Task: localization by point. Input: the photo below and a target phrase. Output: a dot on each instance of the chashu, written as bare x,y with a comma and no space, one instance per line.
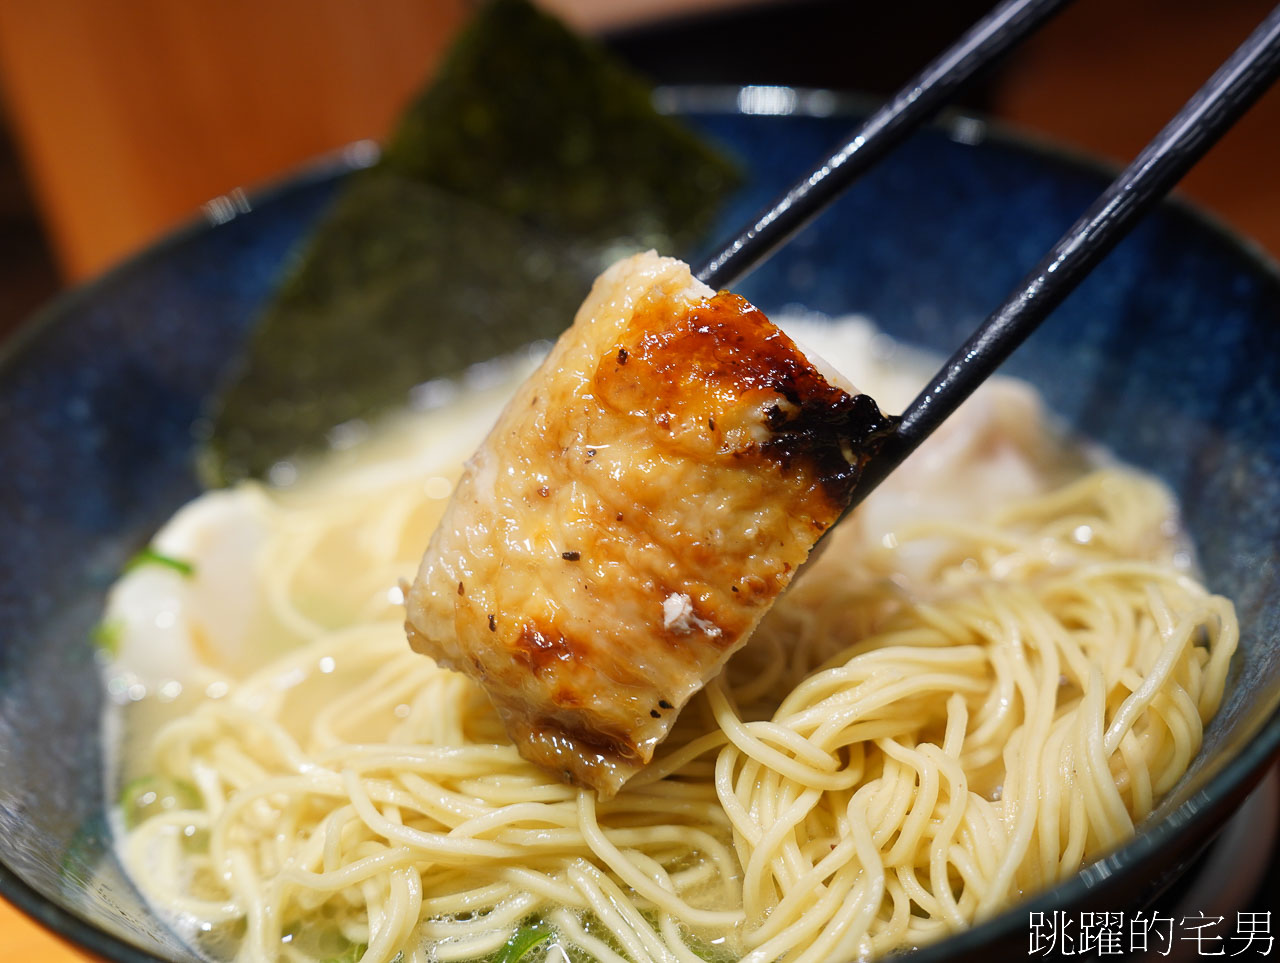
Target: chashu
640,503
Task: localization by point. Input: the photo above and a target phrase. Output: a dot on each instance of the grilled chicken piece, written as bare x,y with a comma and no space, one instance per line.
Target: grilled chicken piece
639,505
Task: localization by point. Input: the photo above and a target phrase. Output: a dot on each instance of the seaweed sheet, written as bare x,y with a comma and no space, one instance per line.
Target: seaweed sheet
530,161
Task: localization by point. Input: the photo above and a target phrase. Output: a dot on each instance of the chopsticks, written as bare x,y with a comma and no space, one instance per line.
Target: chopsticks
995,34
1217,105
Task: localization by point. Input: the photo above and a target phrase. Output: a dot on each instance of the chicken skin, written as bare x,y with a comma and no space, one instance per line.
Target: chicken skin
641,502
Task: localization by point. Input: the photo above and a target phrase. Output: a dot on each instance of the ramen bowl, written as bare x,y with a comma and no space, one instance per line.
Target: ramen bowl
1169,355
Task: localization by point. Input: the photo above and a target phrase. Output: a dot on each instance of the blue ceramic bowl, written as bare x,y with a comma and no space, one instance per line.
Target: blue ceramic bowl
1169,354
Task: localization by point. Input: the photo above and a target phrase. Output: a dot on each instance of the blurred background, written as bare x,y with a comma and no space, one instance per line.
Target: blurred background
119,120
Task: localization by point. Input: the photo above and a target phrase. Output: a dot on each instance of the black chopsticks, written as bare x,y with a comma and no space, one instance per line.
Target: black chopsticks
995,34
1231,90
1217,105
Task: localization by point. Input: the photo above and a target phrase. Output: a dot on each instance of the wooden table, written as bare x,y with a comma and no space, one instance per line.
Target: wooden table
22,941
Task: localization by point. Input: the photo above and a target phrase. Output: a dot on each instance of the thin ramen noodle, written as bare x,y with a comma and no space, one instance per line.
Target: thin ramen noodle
987,677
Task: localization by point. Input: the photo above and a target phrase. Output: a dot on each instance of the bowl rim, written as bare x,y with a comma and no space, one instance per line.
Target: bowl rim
1223,792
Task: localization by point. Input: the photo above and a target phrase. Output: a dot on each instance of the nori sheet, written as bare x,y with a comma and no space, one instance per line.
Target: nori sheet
529,161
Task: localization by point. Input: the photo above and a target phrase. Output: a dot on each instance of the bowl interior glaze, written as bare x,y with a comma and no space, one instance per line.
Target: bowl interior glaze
1169,355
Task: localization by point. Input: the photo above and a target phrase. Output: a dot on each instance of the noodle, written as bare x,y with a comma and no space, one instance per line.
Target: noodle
929,725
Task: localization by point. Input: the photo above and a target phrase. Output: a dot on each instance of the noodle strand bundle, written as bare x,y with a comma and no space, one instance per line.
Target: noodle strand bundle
930,724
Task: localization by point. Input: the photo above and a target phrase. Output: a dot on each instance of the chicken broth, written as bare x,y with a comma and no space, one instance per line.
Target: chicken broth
868,774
